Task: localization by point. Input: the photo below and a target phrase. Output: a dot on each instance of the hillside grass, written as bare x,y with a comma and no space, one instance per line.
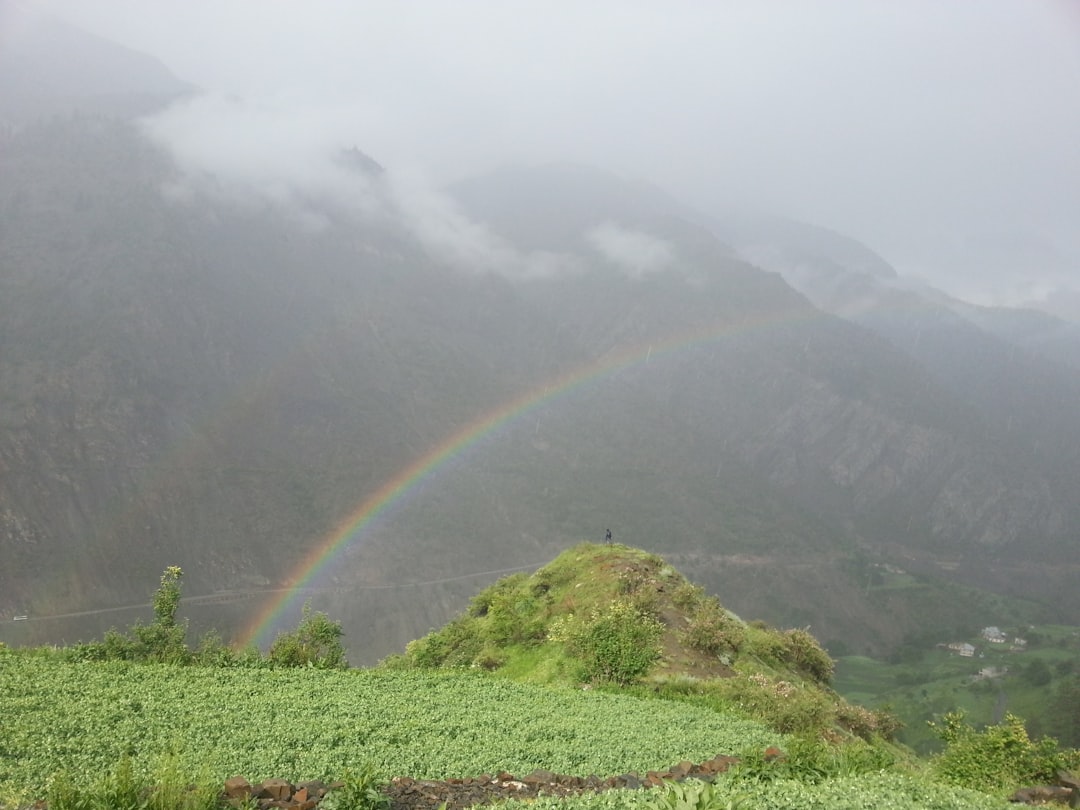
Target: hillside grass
617,618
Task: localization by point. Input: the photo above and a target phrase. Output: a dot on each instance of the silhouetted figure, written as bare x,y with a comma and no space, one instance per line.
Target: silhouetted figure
608,536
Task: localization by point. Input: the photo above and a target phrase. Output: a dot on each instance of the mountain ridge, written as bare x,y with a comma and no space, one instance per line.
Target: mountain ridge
219,383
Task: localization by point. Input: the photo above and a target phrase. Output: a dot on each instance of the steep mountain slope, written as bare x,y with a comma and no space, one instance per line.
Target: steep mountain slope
219,385
1016,368
52,68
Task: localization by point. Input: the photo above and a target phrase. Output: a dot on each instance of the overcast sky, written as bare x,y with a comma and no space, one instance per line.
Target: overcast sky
944,134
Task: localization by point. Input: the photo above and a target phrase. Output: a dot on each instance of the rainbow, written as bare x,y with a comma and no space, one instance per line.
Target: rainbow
323,553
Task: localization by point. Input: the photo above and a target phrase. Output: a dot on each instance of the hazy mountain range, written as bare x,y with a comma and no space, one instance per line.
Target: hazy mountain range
222,380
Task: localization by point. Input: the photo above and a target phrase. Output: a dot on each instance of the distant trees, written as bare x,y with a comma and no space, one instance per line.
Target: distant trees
1065,711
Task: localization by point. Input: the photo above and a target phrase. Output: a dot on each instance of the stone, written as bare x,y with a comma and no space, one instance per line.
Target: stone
1041,794
275,789
316,788
1069,780
237,787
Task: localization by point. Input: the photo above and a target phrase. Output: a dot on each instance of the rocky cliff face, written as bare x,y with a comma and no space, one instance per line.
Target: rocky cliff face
220,386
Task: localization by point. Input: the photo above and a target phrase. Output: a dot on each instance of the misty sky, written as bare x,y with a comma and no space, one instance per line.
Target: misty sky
946,135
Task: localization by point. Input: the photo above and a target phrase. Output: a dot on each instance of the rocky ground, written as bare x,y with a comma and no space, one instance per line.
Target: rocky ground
406,793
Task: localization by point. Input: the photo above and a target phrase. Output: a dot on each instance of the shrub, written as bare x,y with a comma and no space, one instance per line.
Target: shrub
646,601
316,642
804,652
161,643
616,645
687,596
712,630
490,659
866,723
513,617
999,757
782,705
360,791
456,645
167,596
118,789
164,641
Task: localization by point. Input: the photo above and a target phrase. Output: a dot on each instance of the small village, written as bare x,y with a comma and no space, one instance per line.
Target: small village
1000,640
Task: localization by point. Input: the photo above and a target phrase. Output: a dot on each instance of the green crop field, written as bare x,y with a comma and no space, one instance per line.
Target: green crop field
80,719
303,724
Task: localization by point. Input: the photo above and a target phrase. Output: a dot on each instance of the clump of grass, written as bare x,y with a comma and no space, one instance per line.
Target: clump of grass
121,789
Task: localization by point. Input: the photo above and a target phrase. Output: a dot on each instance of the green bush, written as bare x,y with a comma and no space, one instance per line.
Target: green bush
359,792
616,645
867,723
712,630
804,652
811,762
316,642
513,617
687,596
163,641
456,645
783,706
490,658
999,757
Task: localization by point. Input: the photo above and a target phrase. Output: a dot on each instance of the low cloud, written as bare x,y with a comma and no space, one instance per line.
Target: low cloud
636,252
290,156
246,150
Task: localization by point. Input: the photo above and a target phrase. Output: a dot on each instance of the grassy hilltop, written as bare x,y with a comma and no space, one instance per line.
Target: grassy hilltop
603,662
617,616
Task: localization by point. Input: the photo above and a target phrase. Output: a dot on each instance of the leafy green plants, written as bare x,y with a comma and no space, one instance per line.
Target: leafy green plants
299,724
316,642
712,630
694,794
616,645
785,706
120,789
804,652
360,791
999,757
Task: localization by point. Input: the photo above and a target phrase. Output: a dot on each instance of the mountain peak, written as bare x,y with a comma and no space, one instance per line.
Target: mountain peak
52,67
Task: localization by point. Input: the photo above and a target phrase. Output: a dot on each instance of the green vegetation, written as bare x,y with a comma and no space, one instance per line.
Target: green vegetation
306,723
999,757
168,788
884,790
316,641
359,792
616,644
1039,681
618,617
677,677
